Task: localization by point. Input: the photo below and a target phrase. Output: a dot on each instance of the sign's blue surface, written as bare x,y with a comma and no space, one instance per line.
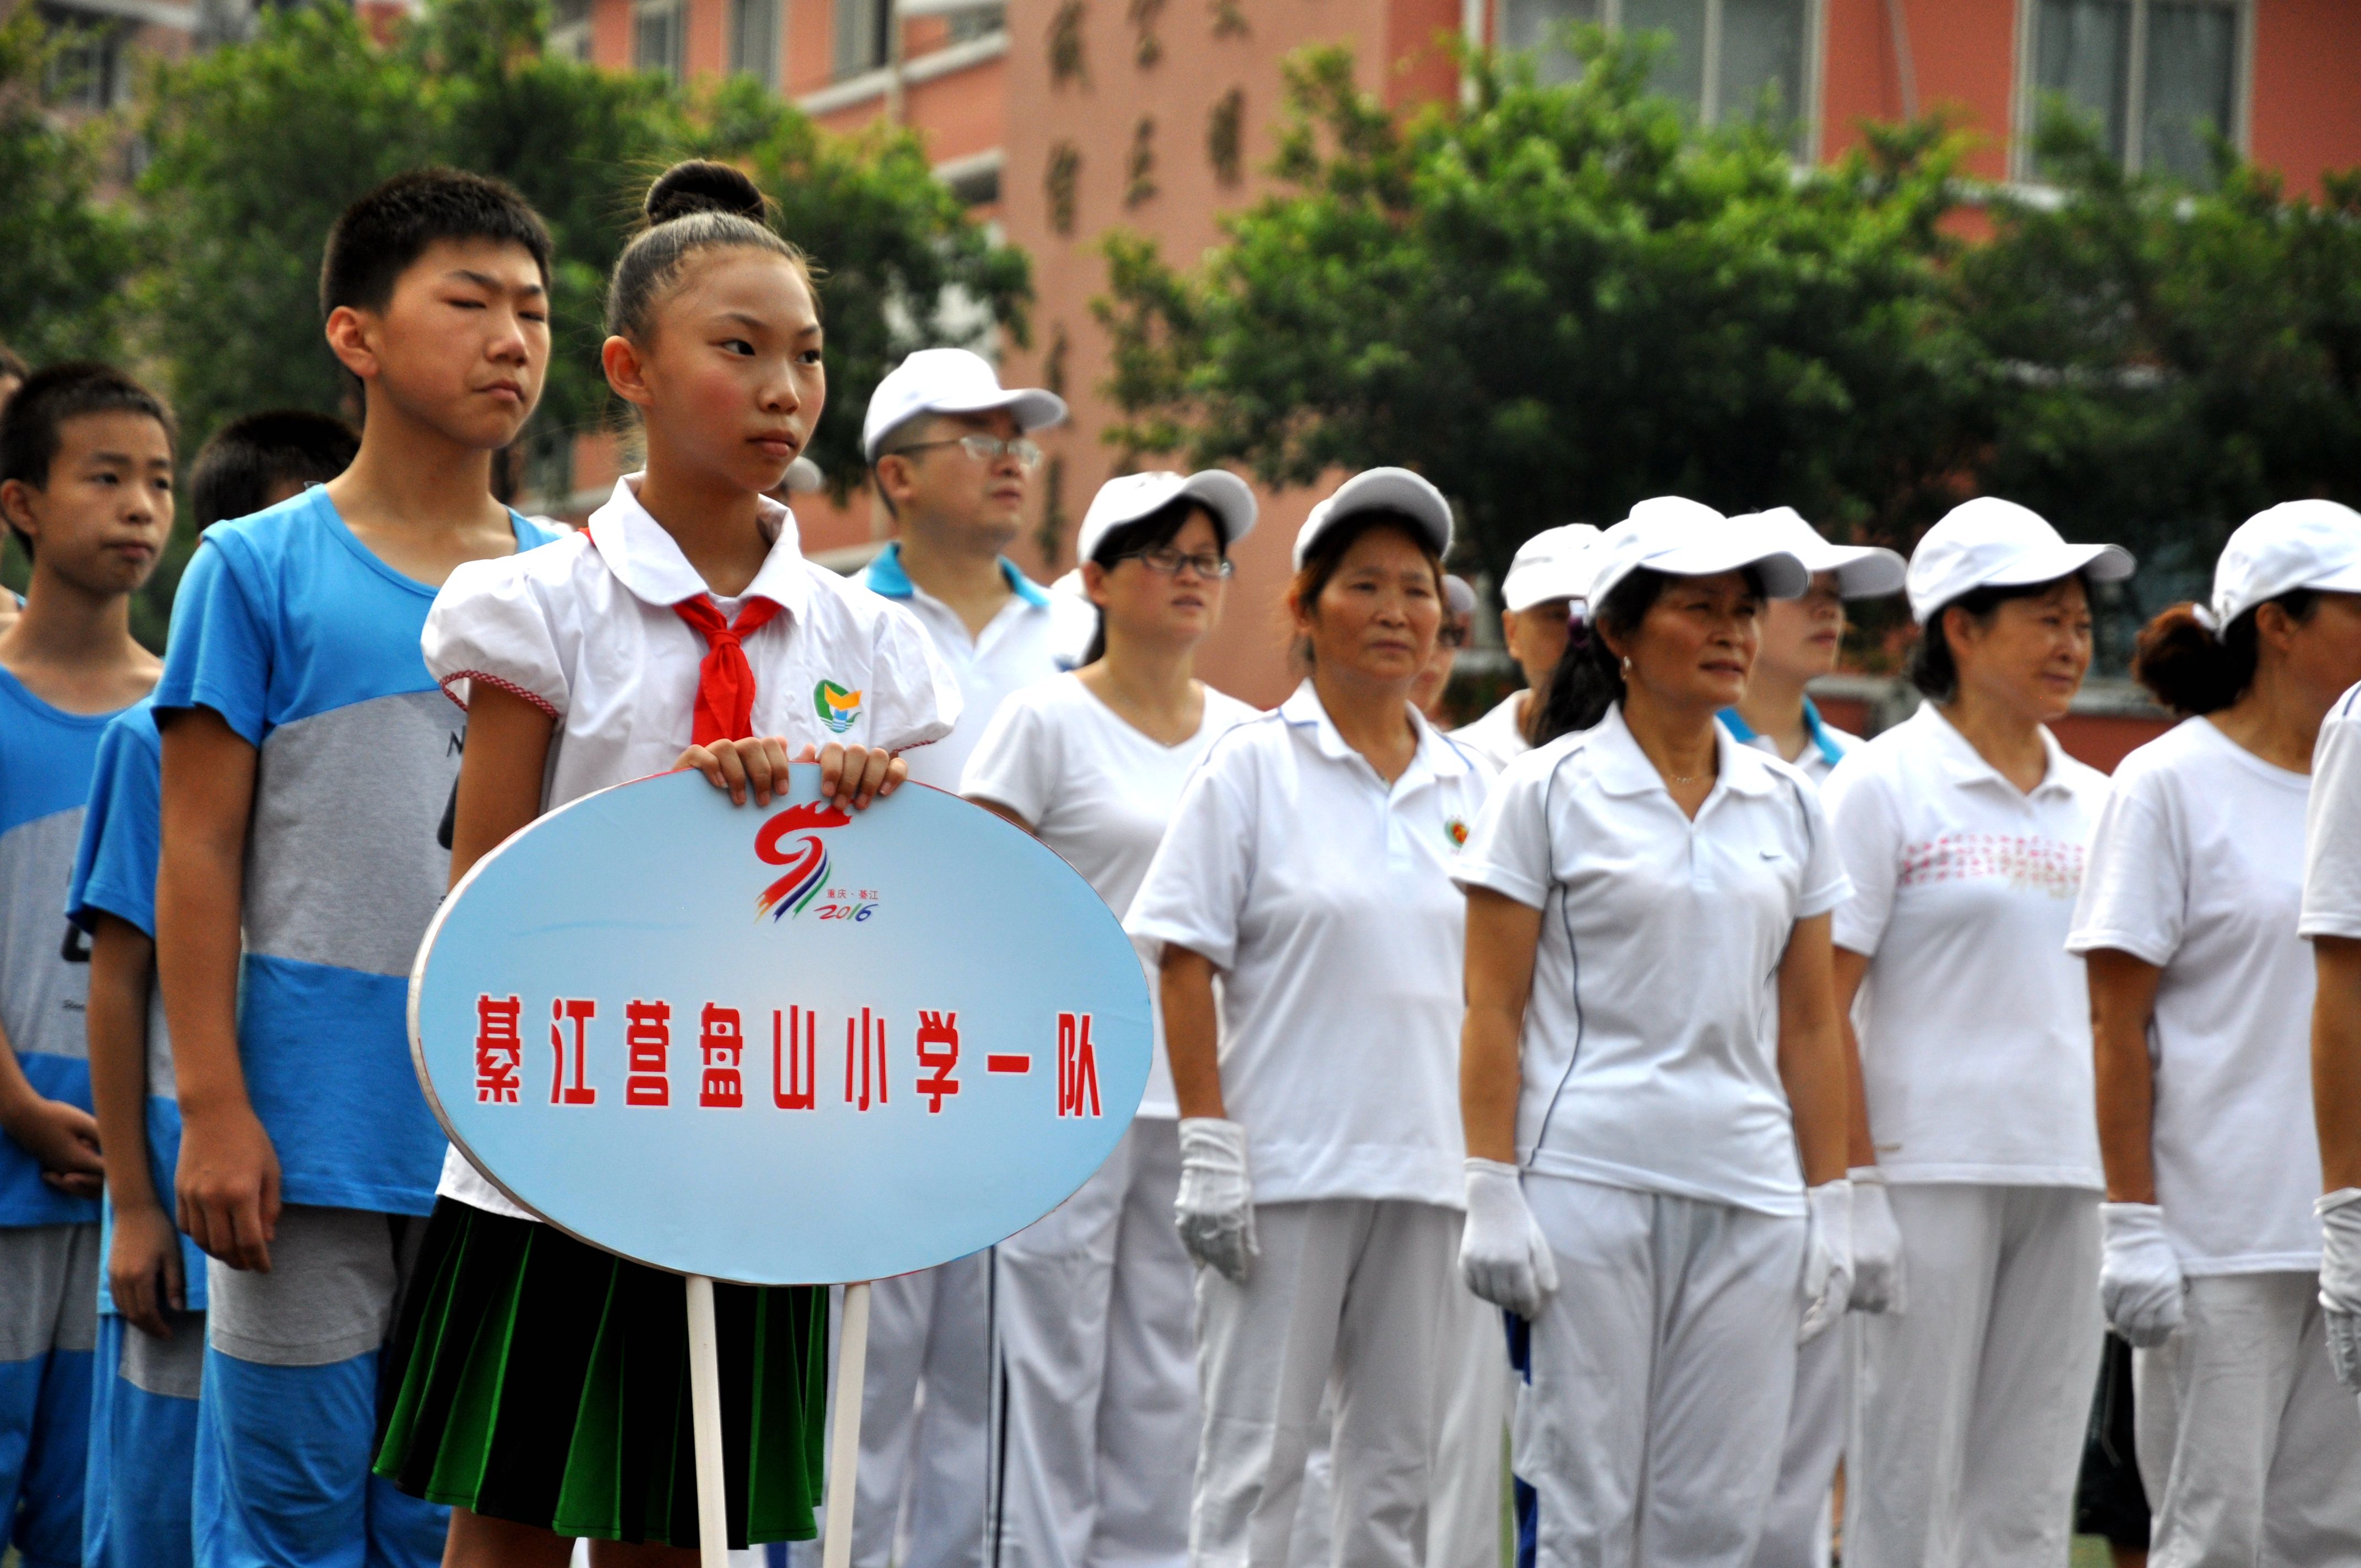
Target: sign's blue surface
786,1045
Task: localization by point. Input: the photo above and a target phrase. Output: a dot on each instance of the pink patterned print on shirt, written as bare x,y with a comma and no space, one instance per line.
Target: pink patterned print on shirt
2044,865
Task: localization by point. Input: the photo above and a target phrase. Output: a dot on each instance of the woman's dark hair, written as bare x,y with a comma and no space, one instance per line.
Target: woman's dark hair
693,206
1932,668
2192,670
1154,532
1588,679
1327,553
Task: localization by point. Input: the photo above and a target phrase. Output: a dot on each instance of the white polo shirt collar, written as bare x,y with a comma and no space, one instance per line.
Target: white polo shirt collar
1437,756
646,559
1963,764
1621,768
887,576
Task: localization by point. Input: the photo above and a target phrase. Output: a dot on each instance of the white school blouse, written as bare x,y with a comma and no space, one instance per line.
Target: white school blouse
1099,793
1975,1033
583,630
2197,867
1650,1054
1324,896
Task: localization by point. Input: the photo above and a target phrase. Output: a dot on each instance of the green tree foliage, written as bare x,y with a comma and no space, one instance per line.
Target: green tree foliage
1561,300
257,147
2172,361
64,261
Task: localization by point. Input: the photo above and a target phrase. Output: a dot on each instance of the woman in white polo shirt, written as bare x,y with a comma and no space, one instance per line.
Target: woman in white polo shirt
1652,1084
1801,639
1964,830
1307,866
2200,994
1091,1304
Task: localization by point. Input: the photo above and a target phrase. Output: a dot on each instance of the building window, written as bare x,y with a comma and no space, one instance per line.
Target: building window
754,39
569,30
87,70
659,36
861,36
1726,60
978,22
2159,76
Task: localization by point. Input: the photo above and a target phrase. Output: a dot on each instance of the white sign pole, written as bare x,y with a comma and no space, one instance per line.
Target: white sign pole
844,1435
705,1416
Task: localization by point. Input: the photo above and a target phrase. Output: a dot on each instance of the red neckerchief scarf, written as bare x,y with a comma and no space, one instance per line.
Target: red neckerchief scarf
725,681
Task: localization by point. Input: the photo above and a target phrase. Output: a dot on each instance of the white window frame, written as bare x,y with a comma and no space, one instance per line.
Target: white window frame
678,11
772,72
571,39
1815,41
2027,118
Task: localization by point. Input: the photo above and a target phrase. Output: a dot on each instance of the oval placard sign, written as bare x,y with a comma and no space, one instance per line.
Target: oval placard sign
789,1045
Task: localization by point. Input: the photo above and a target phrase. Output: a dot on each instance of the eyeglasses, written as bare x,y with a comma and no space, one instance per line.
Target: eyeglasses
1166,562
983,448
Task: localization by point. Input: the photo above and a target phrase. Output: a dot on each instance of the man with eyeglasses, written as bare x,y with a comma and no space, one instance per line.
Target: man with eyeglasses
948,453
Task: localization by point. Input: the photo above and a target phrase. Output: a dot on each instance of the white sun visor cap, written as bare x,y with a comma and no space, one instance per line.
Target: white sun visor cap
1687,538
1458,597
1380,489
1989,543
1863,571
1553,565
1130,496
950,381
2295,544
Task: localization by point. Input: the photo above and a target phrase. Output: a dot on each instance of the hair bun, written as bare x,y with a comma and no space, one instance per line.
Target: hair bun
701,185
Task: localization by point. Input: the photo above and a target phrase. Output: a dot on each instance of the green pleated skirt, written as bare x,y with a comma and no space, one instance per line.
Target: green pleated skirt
537,1379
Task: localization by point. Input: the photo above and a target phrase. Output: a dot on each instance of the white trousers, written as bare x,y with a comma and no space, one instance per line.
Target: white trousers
1474,1390
1968,1408
2247,1446
1098,1424
925,1408
1797,1531
1352,1290
1659,1377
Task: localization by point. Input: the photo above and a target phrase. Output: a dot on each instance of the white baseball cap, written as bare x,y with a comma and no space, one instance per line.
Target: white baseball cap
1682,538
950,381
2295,544
1989,543
1553,565
1128,497
1458,597
1863,571
1380,489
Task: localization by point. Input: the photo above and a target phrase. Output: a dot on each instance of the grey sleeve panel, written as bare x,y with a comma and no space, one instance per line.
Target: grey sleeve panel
344,867
44,995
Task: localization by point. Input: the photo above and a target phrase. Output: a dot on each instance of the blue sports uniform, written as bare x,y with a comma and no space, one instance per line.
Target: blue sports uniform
143,1417
48,1242
307,646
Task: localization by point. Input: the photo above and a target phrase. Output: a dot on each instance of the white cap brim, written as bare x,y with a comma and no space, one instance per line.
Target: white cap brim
1128,497
1704,552
1035,408
1380,489
2046,562
1863,571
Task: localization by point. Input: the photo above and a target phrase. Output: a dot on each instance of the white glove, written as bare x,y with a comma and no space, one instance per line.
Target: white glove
1877,1244
2139,1277
1503,1256
1214,1213
2340,1280
1828,1257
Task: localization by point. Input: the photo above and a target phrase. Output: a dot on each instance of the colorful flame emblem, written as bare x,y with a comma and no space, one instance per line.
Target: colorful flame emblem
806,859
1456,831
837,708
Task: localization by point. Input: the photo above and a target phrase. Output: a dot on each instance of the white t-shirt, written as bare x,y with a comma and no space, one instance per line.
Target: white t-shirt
1651,1047
2197,868
1031,639
1326,898
1099,793
2331,869
1976,1036
583,630
1493,740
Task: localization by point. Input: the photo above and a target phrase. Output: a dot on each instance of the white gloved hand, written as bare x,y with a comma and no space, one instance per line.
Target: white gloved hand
1828,1257
2139,1276
1503,1256
1877,1244
2340,1280
1214,1211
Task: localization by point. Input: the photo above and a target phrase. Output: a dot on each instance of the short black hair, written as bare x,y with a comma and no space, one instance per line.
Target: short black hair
379,237
30,430
256,454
